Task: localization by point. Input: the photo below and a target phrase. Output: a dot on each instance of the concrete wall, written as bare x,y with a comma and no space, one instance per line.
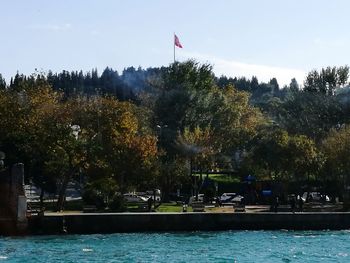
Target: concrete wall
140,222
13,203
5,193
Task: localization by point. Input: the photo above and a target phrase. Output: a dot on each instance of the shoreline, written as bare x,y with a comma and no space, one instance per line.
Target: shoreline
93,223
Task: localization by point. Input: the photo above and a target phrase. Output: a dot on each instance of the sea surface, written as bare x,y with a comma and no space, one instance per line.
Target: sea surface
227,246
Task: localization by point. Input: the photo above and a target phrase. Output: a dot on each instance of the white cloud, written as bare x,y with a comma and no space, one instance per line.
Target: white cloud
233,68
329,43
51,27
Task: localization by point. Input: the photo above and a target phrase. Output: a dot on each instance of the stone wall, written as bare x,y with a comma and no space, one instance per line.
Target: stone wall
13,203
141,222
5,192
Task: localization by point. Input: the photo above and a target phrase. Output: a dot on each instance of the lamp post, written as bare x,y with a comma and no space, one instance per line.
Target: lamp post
2,157
160,128
75,130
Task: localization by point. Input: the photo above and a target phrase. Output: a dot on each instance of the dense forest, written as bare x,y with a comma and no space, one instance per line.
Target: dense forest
152,128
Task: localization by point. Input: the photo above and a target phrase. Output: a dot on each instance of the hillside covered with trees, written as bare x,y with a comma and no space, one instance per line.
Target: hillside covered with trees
151,128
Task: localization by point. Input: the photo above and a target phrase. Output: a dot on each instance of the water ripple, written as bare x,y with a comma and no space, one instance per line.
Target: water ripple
226,246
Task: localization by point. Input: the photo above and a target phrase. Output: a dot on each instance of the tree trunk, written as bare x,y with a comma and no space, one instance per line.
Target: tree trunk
166,188
42,198
62,193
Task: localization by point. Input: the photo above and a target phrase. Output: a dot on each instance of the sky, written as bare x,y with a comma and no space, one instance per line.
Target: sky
270,38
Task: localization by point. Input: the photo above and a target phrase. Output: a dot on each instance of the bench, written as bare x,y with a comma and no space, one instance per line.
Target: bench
89,208
239,208
228,204
35,209
197,207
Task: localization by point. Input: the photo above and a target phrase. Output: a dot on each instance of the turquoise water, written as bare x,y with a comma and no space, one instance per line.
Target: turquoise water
228,246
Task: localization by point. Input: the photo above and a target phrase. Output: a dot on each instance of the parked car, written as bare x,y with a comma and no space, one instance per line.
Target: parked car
151,193
158,197
231,198
315,196
130,197
227,197
237,199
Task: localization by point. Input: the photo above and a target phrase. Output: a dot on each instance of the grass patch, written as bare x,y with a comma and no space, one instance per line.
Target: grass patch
74,205
222,178
171,207
49,205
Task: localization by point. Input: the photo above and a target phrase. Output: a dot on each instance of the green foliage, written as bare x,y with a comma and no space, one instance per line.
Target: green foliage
193,101
37,129
92,196
336,148
171,207
113,136
224,178
327,80
117,204
294,86
310,114
234,121
145,129
2,83
198,145
200,121
279,156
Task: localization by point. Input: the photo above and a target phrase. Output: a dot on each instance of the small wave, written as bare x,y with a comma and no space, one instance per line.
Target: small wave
88,249
3,257
343,254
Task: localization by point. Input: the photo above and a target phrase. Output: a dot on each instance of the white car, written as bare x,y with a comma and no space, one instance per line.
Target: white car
227,197
315,196
237,199
129,197
158,197
151,194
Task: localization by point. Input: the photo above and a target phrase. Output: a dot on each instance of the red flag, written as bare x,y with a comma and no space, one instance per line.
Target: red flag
177,41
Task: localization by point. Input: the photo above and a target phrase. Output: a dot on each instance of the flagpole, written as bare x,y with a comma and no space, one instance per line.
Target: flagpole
174,45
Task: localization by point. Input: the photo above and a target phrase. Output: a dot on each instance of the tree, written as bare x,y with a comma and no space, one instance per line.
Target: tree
327,80
305,160
254,83
309,113
200,115
343,75
2,83
278,156
198,146
33,125
58,139
336,149
118,147
183,97
234,122
190,99
294,86
274,83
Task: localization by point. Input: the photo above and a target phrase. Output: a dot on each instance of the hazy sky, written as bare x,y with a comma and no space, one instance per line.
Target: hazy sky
266,38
